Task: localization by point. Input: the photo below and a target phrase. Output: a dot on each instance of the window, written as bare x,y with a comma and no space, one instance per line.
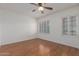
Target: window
69,25
43,26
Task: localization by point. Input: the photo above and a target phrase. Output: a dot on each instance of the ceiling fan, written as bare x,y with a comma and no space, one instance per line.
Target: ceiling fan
41,7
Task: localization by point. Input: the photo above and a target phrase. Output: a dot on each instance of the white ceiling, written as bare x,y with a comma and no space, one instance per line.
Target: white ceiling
26,8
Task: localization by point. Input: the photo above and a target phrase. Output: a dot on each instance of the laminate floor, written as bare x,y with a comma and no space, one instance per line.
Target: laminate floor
37,47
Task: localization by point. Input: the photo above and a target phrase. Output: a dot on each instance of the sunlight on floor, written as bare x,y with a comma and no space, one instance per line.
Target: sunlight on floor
44,50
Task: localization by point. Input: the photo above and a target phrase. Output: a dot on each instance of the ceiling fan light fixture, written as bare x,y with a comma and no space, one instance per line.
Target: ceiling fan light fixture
40,8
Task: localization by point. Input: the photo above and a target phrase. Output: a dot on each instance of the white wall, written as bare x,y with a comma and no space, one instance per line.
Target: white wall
56,28
0,32
15,27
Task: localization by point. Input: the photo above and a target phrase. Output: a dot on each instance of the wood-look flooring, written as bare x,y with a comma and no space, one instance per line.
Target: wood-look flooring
38,47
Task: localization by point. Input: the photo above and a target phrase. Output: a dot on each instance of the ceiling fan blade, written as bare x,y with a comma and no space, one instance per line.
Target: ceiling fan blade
34,4
49,8
33,10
